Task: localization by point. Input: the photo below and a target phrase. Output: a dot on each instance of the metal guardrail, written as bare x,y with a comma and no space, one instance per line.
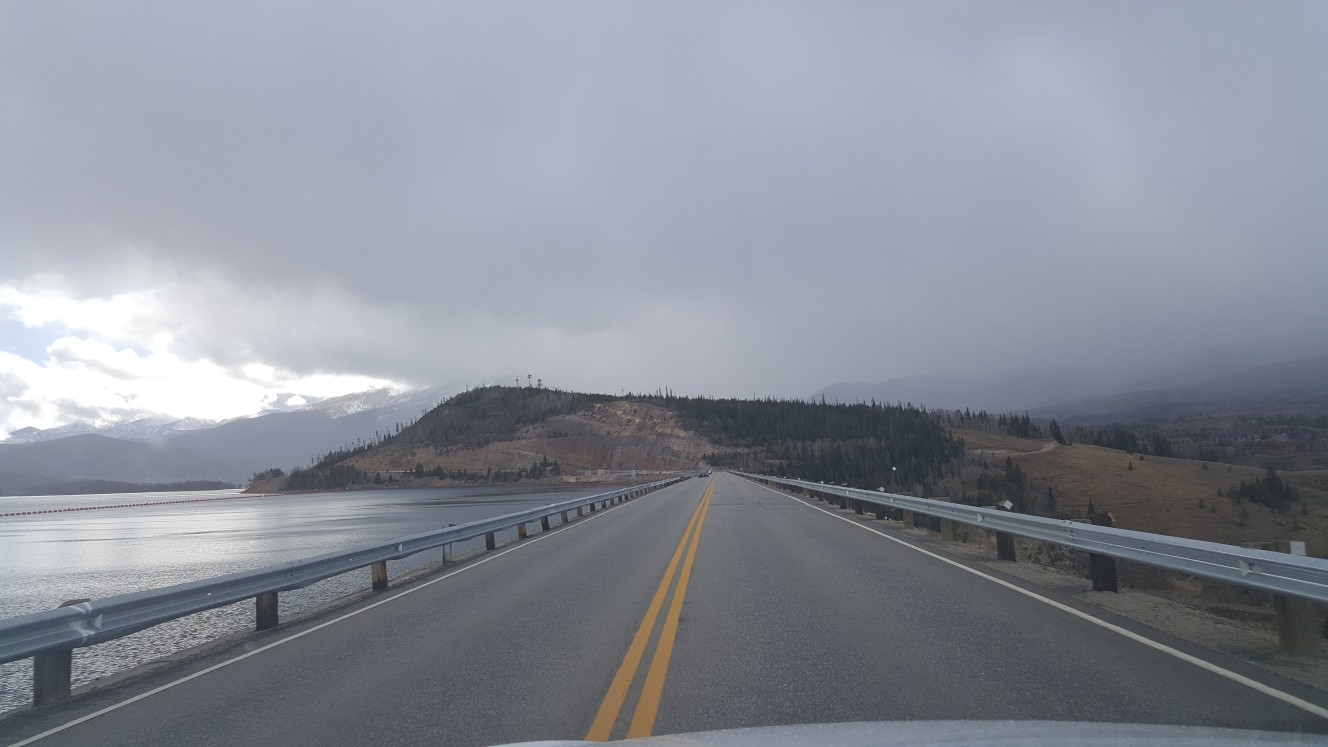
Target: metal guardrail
1279,573
55,633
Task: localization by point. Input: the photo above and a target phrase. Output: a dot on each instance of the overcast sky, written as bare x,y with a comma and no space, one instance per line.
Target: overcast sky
205,207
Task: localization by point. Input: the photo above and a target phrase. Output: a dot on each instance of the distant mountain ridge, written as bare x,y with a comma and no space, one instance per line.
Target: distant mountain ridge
144,429
1205,381
1284,382
141,429
1007,391
159,450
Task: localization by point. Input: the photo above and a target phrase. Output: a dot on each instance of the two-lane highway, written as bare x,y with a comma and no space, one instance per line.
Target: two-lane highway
711,604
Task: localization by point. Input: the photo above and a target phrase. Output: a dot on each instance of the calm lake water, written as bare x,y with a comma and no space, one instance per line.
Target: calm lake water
50,558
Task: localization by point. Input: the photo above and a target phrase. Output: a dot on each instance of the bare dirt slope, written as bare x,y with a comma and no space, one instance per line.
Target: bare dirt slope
606,436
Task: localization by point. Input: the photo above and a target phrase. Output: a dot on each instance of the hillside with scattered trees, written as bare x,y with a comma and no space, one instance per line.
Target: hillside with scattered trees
505,434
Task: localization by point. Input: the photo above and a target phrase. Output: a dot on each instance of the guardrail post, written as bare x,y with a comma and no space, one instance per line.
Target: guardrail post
379,572
1005,542
1103,566
947,530
53,671
521,530
265,607
1296,629
563,514
51,675
880,512
906,517
857,506
544,523
592,507
580,511
490,542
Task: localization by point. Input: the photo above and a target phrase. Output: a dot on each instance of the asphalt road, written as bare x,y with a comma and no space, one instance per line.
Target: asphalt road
711,604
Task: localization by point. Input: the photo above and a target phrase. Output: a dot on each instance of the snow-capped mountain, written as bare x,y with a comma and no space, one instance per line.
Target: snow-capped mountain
35,435
142,429
376,399
150,428
145,449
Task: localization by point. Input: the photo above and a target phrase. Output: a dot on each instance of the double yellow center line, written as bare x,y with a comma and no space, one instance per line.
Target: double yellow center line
647,705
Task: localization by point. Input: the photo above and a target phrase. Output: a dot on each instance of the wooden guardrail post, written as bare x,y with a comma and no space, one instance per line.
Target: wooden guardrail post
1297,631
857,506
544,523
906,517
1103,566
521,530
880,512
563,514
947,530
379,572
490,541
53,672
265,609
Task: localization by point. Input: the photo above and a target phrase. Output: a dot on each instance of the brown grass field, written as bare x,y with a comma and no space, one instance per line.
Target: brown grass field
1160,494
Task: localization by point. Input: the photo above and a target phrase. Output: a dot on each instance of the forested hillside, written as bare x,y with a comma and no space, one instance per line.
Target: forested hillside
866,445
482,416
500,434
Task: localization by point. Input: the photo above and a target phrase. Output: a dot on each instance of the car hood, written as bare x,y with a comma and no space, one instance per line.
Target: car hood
957,733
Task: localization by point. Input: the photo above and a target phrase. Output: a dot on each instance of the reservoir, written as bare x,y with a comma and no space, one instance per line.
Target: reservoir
115,544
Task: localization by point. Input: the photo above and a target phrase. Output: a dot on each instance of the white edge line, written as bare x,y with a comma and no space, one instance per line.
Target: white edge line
1285,697
403,592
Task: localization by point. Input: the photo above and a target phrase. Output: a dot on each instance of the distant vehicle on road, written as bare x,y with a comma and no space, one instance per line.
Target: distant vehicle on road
703,473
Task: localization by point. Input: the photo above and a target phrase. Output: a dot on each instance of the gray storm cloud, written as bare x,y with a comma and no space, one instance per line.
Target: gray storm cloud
732,199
